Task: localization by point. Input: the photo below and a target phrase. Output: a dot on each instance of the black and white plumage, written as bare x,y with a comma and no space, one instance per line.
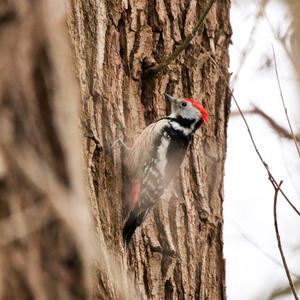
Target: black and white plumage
157,155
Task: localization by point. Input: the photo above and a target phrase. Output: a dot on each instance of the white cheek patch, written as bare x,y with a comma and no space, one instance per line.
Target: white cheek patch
184,130
190,114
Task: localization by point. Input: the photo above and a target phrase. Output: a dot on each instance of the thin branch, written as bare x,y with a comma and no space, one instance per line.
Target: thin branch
283,103
270,175
281,131
279,242
183,45
257,246
285,291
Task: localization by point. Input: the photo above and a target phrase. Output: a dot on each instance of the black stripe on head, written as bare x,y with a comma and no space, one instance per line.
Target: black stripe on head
186,123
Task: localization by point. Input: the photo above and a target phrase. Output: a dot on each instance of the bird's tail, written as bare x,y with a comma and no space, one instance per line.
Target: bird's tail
134,220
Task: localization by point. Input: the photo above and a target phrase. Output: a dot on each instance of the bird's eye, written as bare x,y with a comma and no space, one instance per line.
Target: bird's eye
183,104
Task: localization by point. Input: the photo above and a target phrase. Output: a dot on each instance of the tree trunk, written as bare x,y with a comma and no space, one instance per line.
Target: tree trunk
177,253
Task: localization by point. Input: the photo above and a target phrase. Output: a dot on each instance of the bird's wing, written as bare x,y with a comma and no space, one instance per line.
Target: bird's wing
143,149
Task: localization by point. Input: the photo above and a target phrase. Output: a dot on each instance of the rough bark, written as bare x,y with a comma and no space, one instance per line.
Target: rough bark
177,254
43,209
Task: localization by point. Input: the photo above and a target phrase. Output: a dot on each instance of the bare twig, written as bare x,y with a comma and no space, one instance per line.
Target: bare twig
279,242
283,103
270,175
284,291
183,45
281,131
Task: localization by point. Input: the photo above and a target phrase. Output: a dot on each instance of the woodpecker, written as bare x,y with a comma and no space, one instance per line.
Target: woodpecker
156,155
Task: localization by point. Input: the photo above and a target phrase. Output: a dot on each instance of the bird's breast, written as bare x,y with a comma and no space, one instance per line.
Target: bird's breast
175,152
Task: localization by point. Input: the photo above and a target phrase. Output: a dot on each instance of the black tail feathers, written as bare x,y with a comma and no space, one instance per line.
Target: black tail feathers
134,220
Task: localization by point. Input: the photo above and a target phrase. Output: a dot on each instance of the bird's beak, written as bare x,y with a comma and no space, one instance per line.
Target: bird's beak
170,98
173,102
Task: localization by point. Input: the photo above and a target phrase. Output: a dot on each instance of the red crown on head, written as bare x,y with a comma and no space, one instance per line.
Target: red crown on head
198,106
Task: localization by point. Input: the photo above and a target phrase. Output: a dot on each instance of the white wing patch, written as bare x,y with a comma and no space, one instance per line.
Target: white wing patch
142,150
162,154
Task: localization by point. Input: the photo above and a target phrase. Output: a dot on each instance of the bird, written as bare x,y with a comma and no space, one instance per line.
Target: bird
156,155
